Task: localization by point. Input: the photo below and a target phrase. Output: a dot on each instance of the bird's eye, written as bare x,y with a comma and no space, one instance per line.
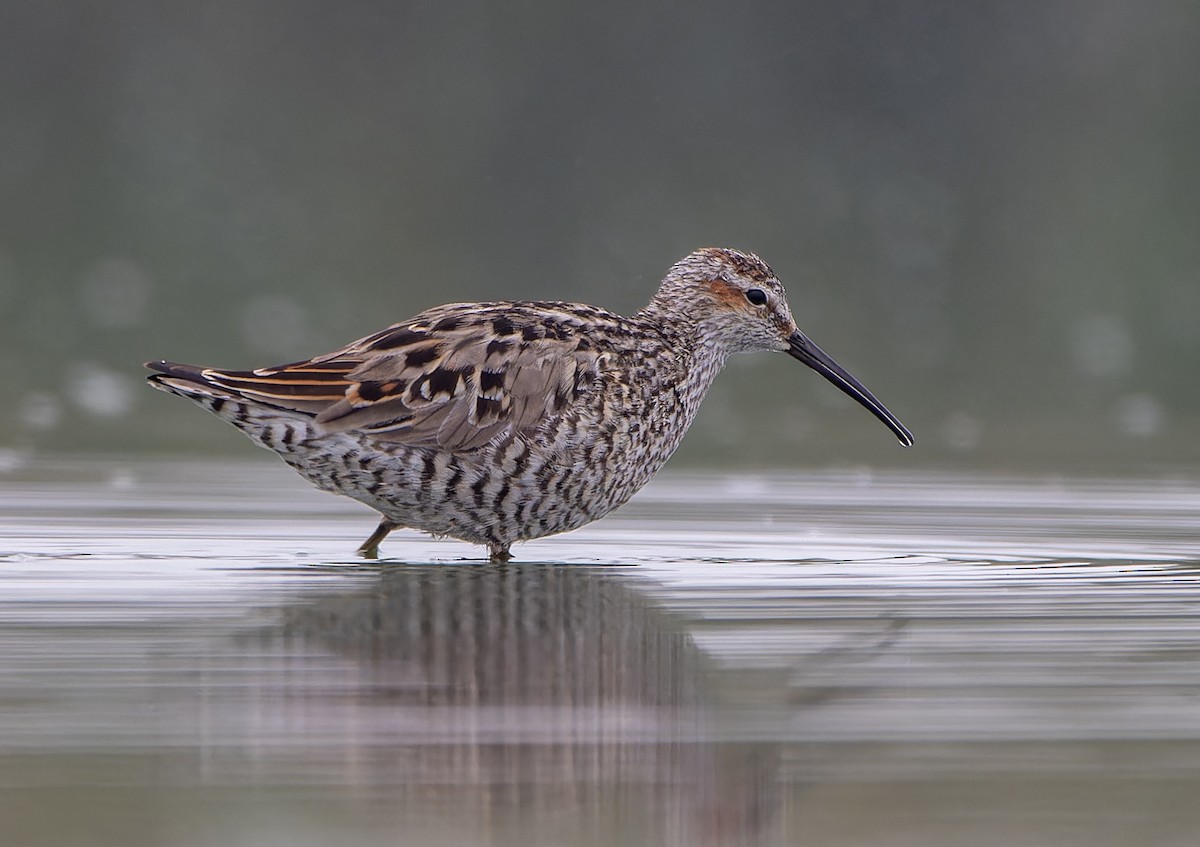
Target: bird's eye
756,296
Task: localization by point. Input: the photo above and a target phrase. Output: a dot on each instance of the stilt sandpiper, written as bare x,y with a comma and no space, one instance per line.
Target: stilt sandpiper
505,421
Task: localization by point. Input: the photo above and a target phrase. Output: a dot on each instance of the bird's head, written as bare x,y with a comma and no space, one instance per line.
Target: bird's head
738,305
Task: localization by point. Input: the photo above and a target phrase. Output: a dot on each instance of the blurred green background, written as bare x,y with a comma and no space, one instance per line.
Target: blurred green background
987,211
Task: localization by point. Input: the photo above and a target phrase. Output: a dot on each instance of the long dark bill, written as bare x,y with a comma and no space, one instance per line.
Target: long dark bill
800,347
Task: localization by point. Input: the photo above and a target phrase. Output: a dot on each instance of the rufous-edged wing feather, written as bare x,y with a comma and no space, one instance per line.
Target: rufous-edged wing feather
304,386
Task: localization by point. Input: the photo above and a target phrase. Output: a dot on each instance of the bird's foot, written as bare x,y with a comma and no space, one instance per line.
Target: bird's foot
369,549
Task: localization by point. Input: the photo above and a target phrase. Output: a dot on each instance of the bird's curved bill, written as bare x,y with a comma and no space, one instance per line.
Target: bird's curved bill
800,347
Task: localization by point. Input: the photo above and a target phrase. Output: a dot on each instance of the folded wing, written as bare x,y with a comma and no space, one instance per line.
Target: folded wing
454,377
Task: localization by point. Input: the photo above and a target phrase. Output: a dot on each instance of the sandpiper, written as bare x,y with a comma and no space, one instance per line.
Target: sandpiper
500,422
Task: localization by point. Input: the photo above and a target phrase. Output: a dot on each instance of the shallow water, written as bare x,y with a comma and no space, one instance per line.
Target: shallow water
190,655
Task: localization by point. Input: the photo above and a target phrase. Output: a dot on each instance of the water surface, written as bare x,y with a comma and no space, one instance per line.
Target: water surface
191,655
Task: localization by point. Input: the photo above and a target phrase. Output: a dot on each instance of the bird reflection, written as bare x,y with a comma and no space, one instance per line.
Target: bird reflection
482,699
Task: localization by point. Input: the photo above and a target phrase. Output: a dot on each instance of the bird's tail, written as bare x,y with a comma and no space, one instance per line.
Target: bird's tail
274,427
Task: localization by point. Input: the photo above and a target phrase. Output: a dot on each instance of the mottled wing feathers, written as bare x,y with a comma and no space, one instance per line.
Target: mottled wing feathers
457,376
453,377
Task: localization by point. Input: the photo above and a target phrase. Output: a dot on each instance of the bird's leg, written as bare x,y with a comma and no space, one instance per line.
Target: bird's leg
498,553
369,549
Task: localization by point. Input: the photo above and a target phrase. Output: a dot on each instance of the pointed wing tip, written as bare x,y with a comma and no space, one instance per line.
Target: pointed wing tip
162,367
